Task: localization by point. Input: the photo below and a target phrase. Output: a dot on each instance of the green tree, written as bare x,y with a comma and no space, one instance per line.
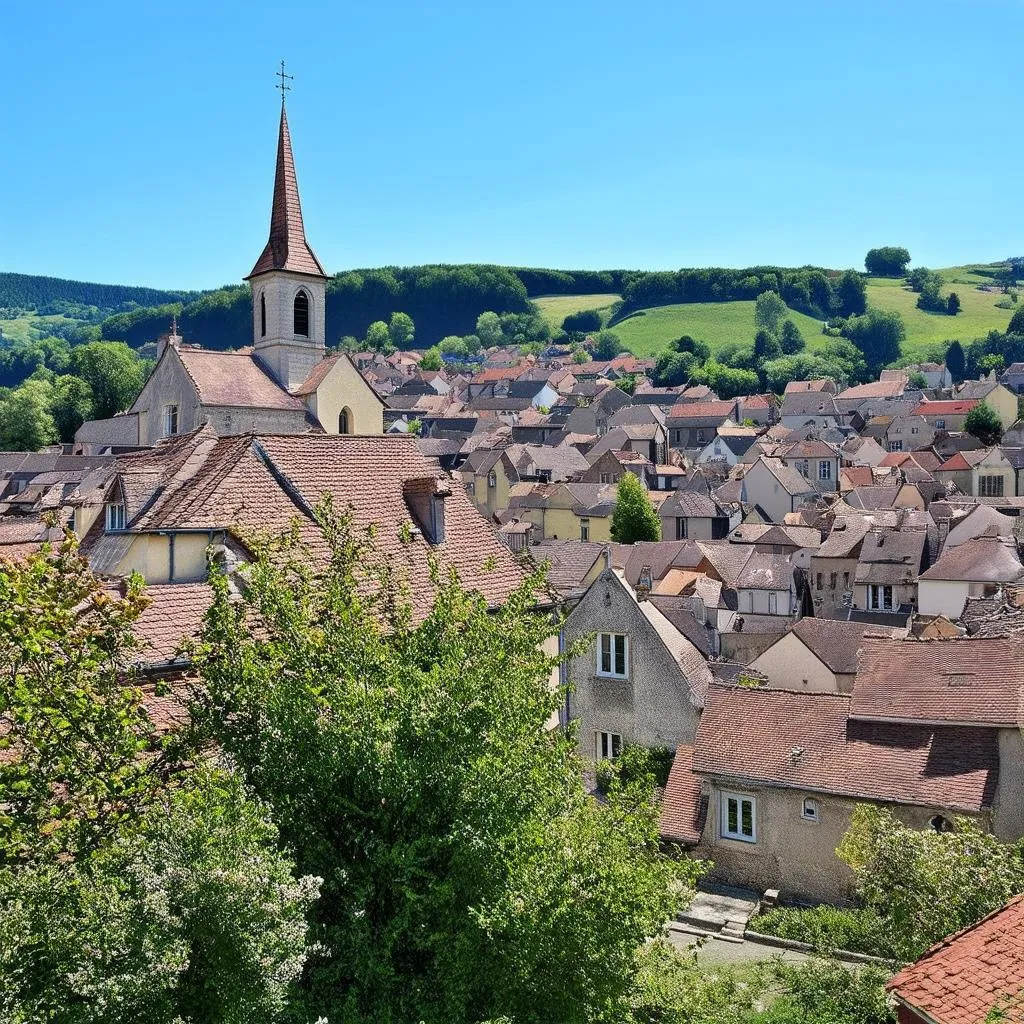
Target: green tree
887,261
791,339
71,404
627,383
26,423
467,874
488,329
766,345
453,345
956,361
953,304
851,294
588,321
700,349
769,310
879,336
928,884
984,423
378,337
634,518
114,373
431,359
918,381
1016,325
673,368
401,330
607,345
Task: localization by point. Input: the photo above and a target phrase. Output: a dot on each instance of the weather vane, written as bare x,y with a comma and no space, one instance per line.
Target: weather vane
283,84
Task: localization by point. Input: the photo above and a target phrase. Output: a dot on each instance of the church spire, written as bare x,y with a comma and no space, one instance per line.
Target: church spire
287,248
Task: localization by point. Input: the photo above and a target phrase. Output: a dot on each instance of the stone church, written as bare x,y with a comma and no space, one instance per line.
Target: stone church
284,383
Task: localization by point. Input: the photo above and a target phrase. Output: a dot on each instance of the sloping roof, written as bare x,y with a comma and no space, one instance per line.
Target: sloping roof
684,652
807,741
234,379
874,389
891,556
980,560
791,480
836,642
681,805
962,979
287,248
707,411
945,408
175,613
571,561
966,680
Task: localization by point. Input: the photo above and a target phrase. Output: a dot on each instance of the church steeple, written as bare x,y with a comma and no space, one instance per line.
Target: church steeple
289,287
287,248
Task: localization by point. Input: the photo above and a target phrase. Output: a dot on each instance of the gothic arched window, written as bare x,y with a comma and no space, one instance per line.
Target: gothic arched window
345,422
263,315
301,327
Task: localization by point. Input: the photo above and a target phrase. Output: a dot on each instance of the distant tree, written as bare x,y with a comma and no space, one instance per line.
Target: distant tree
791,339
769,309
851,294
580,355
71,404
453,345
378,337
634,518
992,361
953,304
627,383
878,335
887,261
917,380
585,322
766,344
348,344
488,329
431,359
956,362
726,381
26,424
607,345
984,423
1016,325
673,368
415,427
472,343
700,349
921,278
114,373
402,330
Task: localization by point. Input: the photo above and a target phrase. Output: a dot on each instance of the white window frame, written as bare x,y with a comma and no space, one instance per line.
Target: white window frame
876,597
170,411
682,528
116,519
492,479
738,833
607,654
773,602
991,485
824,469
584,529
607,745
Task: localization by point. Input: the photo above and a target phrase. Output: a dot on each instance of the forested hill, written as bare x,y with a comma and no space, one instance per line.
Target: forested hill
55,294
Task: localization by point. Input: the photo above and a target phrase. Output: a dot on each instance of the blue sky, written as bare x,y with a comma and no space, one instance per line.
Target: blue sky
139,140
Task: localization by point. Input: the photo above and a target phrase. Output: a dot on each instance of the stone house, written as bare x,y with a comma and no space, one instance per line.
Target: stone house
694,424
728,447
760,409
638,680
975,568
833,567
566,511
775,488
809,409
489,475
995,395
888,566
946,416
692,513
907,433
983,473
609,466
816,461
935,374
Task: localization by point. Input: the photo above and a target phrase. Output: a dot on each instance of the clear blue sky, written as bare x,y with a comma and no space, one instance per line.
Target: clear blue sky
138,140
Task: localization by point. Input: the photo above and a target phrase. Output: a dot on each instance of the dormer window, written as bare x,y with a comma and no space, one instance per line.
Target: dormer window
301,315
116,519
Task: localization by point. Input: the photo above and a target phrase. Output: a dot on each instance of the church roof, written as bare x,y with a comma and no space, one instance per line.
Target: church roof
287,248
234,379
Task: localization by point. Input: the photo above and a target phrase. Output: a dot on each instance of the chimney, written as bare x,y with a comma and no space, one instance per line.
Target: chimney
172,338
425,497
645,584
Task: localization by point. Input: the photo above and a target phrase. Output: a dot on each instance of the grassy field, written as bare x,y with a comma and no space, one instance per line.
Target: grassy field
555,308
717,323
21,329
927,331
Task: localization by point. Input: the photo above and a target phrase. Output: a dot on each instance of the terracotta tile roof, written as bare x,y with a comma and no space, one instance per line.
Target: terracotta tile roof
808,741
234,379
968,680
984,559
174,614
874,389
703,410
857,476
804,386
681,804
891,556
963,978
571,561
836,642
287,248
318,375
499,373
945,408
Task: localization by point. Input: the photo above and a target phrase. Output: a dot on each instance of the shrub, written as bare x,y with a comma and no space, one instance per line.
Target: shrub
829,928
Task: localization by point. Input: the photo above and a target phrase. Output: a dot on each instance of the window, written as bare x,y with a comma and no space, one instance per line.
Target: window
700,436
846,581
612,652
170,420
895,446
803,467
115,517
809,811
824,469
345,421
817,582
990,486
263,315
681,528
880,597
832,578
915,430
605,479
678,436
492,479
739,817
773,602
940,424
584,529
301,315
608,745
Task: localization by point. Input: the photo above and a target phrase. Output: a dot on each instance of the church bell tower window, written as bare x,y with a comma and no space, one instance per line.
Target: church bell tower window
301,315
263,315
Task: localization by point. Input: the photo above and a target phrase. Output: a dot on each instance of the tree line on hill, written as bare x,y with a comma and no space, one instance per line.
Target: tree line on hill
55,294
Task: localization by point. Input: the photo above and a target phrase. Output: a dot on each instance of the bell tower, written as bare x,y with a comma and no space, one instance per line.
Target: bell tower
289,287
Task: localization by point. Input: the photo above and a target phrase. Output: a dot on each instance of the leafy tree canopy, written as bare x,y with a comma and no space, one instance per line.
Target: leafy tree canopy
769,310
607,345
634,518
879,336
956,361
114,373
587,321
887,261
984,423
402,330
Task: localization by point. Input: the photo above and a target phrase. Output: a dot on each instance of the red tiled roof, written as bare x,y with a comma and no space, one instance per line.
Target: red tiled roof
963,978
703,410
234,379
976,681
945,408
174,613
680,804
874,389
956,463
500,373
808,741
287,248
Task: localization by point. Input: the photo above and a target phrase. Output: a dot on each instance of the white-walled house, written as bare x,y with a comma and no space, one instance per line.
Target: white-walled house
976,568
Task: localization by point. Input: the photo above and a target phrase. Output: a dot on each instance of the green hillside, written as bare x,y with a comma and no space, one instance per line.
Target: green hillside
555,308
649,331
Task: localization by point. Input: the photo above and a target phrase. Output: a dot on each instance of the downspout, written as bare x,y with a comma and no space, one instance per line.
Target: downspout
170,557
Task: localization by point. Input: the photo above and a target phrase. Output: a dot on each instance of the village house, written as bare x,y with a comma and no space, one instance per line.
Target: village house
728,447
890,560
775,489
996,395
936,375
983,473
565,511
694,424
809,409
975,568
692,513
946,415
488,474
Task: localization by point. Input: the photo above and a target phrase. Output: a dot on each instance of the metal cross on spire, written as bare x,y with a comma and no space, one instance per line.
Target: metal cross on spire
283,84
